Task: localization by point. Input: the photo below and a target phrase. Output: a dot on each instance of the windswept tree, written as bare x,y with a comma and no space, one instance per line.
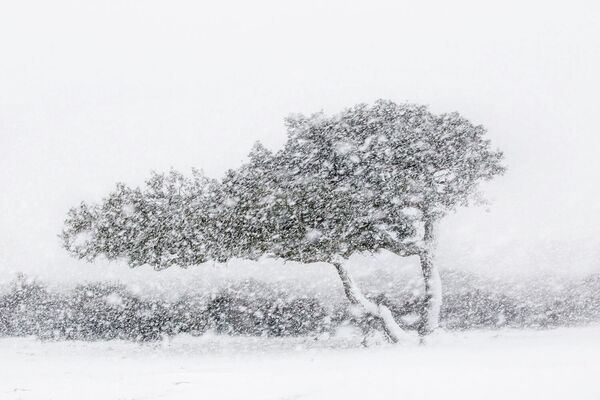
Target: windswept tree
368,179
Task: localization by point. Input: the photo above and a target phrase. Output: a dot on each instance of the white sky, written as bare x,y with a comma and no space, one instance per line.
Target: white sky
97,92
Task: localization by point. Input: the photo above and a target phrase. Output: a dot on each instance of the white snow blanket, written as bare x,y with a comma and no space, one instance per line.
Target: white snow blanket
506,364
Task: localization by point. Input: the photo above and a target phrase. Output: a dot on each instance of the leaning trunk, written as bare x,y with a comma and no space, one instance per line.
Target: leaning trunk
430,314
379,311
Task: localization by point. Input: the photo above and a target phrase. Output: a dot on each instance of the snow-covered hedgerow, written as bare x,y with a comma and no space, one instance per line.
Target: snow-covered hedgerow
101,311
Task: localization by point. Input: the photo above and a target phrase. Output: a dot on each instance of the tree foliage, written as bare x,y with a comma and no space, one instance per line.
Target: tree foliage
361,180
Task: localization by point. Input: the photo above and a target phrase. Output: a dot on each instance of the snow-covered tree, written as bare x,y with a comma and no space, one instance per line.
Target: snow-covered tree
370,178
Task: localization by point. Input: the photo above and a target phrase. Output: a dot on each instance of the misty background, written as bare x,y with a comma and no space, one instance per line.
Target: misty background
92,93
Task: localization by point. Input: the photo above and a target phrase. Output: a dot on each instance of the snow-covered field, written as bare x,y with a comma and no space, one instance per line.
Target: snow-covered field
507,364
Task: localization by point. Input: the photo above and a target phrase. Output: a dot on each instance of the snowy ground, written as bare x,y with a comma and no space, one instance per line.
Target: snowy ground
508,364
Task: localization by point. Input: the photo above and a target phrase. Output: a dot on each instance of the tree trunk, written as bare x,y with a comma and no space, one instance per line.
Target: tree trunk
430,314
379,311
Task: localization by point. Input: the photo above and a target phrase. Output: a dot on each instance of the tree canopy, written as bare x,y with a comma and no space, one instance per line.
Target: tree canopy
364,179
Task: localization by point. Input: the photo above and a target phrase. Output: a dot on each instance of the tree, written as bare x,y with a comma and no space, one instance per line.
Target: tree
370,178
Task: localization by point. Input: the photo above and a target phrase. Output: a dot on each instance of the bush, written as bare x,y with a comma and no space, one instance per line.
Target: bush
103,311
253,309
